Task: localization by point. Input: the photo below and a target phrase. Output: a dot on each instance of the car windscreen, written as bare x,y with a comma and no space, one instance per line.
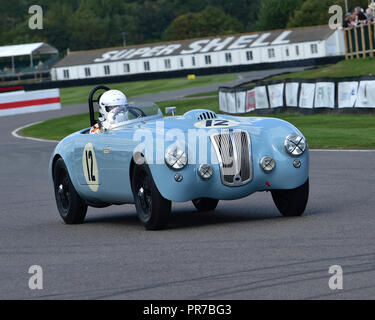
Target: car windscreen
149,108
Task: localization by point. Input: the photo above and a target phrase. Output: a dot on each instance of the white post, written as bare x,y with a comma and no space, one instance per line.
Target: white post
13,67
124,38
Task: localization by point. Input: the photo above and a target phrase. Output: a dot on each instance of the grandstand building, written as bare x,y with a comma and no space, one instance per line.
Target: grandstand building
310,45
23,61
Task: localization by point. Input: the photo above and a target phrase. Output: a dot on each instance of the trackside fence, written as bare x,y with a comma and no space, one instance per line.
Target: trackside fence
359,41
301,96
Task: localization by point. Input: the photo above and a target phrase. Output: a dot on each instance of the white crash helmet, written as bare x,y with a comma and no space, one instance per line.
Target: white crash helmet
112,103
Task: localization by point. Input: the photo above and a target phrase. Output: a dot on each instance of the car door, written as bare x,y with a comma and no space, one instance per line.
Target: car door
115,154
102,164
87,166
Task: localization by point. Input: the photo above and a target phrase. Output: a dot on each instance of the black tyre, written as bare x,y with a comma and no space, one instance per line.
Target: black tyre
293,202
71,207
152,209
205,204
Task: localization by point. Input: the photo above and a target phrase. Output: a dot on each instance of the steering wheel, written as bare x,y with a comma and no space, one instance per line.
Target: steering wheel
137,112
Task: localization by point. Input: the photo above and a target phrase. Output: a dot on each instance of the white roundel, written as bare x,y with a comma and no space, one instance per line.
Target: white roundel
90,167
216,123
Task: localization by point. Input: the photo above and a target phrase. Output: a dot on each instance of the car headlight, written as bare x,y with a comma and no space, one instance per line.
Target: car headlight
176,158
205,171
295,145
267,164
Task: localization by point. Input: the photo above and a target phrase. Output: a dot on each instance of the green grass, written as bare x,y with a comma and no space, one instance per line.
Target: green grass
57,129
329,131
79,95
186,105
203,94
325,131
322,130
345,68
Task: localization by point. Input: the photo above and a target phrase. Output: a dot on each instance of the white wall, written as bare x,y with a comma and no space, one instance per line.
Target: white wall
335,44
260,55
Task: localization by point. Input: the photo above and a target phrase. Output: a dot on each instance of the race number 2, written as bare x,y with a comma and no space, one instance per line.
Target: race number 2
90,167
216,123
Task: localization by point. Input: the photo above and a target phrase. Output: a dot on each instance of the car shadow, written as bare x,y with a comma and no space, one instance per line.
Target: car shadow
194,219
185,218
118,217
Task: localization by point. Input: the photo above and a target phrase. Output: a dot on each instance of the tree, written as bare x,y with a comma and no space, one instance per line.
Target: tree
87,30
56,26
315,12
152,18
245,11
274,14
209,22
189,6
90,24
183,27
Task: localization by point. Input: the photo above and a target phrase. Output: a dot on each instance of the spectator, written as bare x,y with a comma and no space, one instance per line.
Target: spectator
370,14
40,65
348,20
359,16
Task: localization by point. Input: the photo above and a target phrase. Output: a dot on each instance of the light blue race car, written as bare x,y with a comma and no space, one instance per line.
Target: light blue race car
151,160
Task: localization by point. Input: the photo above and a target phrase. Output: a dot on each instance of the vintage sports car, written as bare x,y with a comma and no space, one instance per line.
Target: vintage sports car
151,160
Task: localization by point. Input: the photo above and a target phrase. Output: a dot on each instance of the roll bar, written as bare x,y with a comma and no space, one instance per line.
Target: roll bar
91,103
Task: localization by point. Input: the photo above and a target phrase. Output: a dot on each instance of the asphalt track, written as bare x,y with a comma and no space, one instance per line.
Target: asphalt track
243,250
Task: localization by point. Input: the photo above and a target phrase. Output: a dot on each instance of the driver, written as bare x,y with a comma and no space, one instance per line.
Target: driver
113,107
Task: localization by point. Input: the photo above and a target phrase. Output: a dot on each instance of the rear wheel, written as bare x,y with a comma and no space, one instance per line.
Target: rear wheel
205,204
293,202
71,207
152,209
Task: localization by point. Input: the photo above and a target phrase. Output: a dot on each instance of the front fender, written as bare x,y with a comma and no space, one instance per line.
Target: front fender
267,139
65,150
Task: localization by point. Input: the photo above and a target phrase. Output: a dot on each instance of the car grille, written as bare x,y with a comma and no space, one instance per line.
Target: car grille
233,149
207,116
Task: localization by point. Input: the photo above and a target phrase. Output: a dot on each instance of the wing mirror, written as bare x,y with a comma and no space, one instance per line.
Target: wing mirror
171,110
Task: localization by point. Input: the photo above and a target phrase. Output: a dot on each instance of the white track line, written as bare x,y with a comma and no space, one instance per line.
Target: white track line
18,136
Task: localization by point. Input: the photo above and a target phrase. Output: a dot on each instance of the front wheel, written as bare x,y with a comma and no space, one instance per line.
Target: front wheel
205,204
152,209
71,207
293,202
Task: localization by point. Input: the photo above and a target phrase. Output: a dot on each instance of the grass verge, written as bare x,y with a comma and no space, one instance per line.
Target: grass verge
78,95
57,129
345,68
203,94
335,131
323,131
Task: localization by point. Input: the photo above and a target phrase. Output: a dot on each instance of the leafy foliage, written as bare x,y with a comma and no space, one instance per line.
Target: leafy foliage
274,14
209,22
315,12
90,24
